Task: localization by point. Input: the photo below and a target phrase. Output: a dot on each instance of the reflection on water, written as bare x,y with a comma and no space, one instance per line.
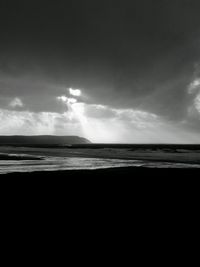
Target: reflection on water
77,163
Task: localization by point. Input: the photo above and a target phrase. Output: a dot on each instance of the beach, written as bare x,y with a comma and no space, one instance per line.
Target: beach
91,160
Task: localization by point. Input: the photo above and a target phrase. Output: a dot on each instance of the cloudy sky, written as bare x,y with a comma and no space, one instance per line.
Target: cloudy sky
110,71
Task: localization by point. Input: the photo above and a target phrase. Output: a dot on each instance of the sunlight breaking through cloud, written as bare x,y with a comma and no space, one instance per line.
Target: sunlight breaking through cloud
142,129
101,123
67,100
75,92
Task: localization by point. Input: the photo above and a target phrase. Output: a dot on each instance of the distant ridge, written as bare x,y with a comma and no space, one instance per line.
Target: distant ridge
42,140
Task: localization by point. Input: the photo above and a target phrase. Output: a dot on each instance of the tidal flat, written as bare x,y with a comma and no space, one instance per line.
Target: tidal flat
16,159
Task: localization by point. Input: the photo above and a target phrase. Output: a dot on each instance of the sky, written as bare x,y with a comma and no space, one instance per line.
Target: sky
110,71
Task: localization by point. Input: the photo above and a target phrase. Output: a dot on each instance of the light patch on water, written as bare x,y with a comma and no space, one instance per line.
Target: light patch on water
80,163
58,163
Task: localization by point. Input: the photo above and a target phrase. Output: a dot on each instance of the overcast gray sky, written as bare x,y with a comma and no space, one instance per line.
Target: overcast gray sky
136,64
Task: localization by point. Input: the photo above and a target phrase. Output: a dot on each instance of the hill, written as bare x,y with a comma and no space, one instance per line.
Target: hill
42,140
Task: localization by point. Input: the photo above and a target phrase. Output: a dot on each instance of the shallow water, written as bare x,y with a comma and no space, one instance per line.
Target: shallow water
81,163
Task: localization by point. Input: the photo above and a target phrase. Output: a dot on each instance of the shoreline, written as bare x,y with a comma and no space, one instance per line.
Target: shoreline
23,153
135,157
104,172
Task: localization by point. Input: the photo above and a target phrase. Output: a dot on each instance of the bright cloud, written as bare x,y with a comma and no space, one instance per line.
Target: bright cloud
30,123
16,102
75,92
67,100
138,127
101,123
128,126
98,123
139,118
194,86
197,103
194,89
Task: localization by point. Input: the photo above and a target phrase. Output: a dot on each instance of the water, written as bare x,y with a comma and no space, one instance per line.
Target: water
59,163
81,163
21,159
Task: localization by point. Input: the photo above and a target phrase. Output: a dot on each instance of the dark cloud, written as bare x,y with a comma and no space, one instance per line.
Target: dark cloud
138,54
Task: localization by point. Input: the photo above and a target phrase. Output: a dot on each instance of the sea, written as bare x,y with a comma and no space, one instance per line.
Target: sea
16,160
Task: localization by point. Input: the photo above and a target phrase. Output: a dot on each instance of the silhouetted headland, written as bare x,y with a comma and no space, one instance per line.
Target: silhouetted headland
48,140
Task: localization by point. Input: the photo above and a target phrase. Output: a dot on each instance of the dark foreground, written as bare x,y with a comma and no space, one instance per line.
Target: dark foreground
125,172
